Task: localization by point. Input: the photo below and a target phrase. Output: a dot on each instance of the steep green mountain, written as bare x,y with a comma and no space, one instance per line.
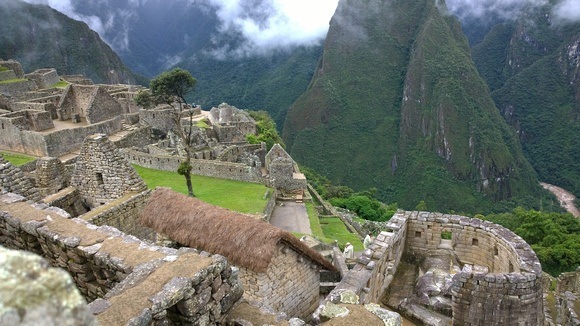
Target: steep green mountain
396,103
533,67
40,37
270,83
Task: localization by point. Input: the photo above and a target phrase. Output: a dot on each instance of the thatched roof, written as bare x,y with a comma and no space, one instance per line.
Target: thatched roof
243,240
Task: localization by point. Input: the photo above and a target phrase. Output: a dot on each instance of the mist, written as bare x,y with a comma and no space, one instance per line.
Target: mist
273,24
564,11
568,11
265,25
66,7
483,9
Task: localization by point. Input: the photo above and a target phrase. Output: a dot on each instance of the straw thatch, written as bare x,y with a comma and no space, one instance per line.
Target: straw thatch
243,240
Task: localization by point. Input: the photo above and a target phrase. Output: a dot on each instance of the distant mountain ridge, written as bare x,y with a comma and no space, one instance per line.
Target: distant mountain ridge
532,66
397,104
39,37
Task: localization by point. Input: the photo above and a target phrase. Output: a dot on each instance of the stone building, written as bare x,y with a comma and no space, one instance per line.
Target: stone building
101,175
92,103
277,270
283,172
449,269
44,78
231,124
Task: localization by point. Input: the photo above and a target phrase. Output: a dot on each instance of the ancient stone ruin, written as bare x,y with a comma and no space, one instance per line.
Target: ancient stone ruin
82,207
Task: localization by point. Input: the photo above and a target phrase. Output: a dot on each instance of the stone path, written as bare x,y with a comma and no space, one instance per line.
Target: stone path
291,217
566,198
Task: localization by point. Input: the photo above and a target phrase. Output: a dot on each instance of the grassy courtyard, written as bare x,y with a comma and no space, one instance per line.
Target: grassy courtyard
17,159
238,196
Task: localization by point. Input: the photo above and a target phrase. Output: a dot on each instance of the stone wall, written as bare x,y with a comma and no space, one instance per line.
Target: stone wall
210,168
68,199
13,179
158,118
140,283
65,141
16,89
13,65
101,174
103,107
375,268
290,285
123,214
139,137
51,175
474,242
511,293
44,78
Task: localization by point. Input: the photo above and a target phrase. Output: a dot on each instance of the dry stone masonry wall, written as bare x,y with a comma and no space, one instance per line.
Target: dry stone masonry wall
210,168
289,285
134,282
508,291
12,179
101,174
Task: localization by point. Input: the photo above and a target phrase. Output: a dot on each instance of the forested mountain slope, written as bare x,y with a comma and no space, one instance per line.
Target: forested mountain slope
40,37
532,64
396,103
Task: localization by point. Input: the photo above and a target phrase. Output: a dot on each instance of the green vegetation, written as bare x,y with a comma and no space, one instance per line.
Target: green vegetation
403,111
203,124
333,228
363,203
171,88
266,129
17,159
555,237
12,81
531,79
30,34
61,84
328,229
238,196
270,82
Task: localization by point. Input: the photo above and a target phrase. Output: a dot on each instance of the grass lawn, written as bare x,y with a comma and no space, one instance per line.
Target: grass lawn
238,196
328,229
333,228
61,84
17,159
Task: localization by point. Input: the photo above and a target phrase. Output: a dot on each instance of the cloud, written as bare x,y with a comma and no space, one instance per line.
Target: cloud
66,7
567,11
483,9
272,24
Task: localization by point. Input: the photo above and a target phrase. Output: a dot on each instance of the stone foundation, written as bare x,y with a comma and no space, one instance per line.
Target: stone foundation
134,282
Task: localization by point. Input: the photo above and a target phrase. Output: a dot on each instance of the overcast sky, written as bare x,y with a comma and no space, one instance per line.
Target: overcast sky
269,24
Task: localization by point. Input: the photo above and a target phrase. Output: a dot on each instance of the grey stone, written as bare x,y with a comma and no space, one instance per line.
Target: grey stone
349,297
390,318
331,310
38,293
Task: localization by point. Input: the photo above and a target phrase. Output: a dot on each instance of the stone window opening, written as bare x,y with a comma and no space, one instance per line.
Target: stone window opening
417,234
100,180
511,267
495,251
474,242
2,125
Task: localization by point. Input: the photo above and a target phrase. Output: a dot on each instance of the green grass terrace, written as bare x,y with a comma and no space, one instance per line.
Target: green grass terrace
238,196
17,159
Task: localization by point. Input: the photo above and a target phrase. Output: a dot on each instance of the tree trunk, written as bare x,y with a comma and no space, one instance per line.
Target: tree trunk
188,176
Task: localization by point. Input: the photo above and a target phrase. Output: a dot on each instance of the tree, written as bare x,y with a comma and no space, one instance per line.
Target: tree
171,88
